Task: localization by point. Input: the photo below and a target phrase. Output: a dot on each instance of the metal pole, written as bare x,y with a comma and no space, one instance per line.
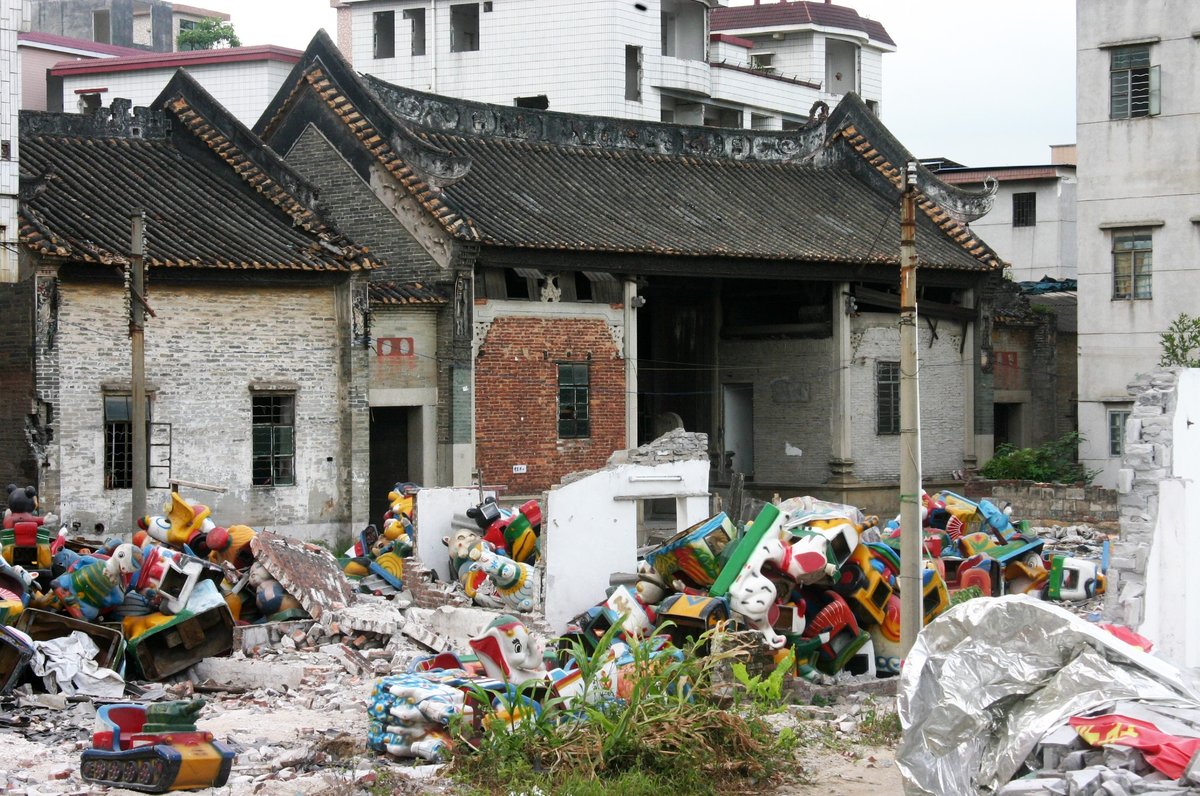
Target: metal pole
911,564
137,327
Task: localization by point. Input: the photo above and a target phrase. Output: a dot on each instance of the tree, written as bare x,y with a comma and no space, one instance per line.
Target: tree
1180,343
208,34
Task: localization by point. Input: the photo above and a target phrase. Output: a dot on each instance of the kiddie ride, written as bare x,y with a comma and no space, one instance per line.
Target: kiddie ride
154,749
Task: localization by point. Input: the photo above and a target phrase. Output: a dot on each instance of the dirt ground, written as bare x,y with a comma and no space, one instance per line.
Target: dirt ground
870,771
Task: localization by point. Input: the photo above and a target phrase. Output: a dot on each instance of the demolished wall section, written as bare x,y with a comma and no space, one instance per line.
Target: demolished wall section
1147,464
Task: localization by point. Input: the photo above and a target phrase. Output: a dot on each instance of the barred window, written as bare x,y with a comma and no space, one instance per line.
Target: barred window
274,427
1133,83
1024,209
573,394
887,397
1133,252
118,440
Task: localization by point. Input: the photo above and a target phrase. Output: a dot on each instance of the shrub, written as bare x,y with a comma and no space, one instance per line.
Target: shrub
1054,462
1180,339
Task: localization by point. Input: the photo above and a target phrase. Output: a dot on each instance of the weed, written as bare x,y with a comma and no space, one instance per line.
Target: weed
766,692
880,727
1055,462
663,735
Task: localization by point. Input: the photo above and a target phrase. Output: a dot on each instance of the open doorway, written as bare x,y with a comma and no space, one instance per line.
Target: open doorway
389,455
737,401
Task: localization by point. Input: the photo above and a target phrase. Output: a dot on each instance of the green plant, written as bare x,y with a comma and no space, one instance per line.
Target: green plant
1054,462
1179,342
207,34
665,735
880,727
766,692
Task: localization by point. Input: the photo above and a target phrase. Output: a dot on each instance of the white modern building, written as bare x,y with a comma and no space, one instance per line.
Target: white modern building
1138,116
1032,223
12,21
684,61
242,79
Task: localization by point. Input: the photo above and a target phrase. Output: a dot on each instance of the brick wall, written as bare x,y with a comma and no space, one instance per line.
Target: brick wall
1041,503
516,399
876,337
17,463
203,351
355,209
792,393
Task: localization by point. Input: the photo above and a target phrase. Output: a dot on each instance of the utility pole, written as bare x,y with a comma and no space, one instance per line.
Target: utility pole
911,563
137,339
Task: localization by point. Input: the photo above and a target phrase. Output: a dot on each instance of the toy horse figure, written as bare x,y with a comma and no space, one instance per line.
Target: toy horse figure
85,592
517,585
753,595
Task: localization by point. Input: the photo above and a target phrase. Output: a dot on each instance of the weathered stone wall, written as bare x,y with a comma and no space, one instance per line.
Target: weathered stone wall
1042,503
204,350
1146,463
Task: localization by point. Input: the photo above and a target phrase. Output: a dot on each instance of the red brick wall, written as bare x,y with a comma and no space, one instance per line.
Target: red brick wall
516,400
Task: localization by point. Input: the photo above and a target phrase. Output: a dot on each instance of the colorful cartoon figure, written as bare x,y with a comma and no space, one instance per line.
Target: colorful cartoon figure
15,591
508,652
97,587
408,715
25,536
270,596
517,585
180,522
511,533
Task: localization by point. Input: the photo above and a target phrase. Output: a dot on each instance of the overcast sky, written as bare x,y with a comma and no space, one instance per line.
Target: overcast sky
983,82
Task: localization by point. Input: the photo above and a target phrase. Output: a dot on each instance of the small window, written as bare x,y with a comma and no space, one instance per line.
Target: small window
762,61
416,18
633,73
1133,83
539,103
102,27
887,397
1116,431
1132,261
464,28
385,34
118,440
273,431
573,422
1024,211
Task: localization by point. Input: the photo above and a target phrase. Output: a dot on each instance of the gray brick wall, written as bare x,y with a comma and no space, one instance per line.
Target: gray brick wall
876,457
205,348
355,209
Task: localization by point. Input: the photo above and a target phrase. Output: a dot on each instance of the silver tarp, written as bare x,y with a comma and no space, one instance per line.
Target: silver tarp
987,679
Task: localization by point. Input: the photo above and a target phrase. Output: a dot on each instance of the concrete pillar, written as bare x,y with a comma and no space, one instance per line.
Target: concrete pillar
970,362
841,455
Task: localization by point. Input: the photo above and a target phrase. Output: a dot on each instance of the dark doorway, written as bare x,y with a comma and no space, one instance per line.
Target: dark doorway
389,455
1007,428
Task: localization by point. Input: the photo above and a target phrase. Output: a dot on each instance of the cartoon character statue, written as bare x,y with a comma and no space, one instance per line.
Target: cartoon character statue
753,595
228,546
180,522
86,592
270,596
508,652
517,585
15,590
512,533
471,579
408,715
25,536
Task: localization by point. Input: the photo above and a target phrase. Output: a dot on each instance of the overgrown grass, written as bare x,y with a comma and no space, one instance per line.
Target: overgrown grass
668,735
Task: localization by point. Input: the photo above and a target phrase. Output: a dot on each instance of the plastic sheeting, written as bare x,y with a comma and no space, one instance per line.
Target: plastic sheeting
986,680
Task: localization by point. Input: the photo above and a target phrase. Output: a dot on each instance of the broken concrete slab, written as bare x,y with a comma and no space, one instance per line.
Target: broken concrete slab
308,572
369,615
246,673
